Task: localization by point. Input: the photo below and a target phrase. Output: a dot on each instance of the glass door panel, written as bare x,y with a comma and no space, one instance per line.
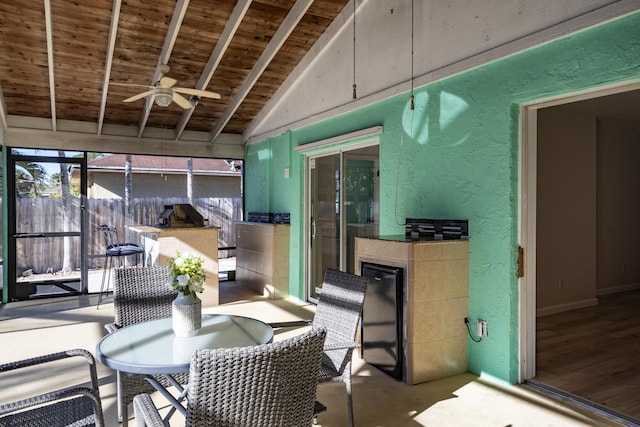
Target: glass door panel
325,212
361,214
340,209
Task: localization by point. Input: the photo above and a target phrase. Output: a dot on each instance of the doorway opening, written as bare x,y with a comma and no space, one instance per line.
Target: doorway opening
578,230
47,220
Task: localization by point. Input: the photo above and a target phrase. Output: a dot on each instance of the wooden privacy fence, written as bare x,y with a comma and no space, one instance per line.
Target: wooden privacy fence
36,215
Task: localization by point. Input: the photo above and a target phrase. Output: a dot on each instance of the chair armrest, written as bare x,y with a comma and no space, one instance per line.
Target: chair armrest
48,358
340,345
111,327
291,324
146,412
76,352
60,404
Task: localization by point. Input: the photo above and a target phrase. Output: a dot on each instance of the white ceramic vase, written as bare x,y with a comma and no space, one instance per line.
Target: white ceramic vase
186,315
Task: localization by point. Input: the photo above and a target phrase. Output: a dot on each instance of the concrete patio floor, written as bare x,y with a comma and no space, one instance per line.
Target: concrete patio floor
44,326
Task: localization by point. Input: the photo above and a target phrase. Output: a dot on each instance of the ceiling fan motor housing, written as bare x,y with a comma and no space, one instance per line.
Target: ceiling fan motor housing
163,96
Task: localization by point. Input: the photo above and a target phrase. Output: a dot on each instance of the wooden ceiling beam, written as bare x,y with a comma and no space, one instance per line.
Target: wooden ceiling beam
228,146
294,16
341,23
169,42
216,56
52,79
113,31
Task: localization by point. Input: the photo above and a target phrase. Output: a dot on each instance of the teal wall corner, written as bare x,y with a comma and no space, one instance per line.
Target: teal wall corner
257,177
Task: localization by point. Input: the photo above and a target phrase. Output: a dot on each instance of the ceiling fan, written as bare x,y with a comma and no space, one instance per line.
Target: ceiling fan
165,93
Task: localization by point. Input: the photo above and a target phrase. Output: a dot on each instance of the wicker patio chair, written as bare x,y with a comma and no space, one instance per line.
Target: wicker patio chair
266,385
338,310
139,294
72,406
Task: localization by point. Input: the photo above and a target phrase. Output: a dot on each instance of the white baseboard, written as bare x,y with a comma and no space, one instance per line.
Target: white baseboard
615,289
573,305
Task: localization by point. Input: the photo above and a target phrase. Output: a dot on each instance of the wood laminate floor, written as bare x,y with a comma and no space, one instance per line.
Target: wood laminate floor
594,352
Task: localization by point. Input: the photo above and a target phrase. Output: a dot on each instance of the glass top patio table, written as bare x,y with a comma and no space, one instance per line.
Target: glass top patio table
152,348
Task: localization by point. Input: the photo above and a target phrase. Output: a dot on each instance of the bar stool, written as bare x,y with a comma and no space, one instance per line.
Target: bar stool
114,249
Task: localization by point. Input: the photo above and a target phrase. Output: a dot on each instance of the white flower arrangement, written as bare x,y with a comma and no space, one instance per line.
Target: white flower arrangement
186,273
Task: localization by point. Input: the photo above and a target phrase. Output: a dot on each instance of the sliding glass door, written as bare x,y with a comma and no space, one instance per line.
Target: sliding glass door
342,203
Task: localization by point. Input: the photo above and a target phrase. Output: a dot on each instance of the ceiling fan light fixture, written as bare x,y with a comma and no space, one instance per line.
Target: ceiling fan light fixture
163,97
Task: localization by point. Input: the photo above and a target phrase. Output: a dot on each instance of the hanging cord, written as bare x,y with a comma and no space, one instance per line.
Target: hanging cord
413,105
354,49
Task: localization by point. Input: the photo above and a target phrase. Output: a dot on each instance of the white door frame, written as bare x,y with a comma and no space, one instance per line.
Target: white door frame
335,145
527,213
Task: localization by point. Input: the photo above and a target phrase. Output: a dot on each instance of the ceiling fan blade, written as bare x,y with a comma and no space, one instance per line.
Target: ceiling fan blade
182,101
197,92
138,96
129,85
167,82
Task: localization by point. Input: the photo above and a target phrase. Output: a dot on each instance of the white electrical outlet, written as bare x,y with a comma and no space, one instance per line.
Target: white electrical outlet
482,329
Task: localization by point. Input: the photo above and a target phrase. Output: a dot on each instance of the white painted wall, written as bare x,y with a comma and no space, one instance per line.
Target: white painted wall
446,35
588,209
566,211
618,215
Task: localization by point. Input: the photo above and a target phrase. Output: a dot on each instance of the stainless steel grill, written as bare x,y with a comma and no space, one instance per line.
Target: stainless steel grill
180,215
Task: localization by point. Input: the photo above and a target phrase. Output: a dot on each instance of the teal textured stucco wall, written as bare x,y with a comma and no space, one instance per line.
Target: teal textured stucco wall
458,156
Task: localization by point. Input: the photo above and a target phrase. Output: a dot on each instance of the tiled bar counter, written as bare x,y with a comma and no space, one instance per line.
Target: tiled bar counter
435,300
161,243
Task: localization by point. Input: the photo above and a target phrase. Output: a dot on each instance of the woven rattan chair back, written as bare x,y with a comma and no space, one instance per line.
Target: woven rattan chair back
141,294
338,310
268,385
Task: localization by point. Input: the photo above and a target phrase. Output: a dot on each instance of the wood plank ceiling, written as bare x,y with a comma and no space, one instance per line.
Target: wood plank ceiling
58,57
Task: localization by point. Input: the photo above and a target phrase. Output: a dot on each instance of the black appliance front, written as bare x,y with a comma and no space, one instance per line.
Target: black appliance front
382,319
